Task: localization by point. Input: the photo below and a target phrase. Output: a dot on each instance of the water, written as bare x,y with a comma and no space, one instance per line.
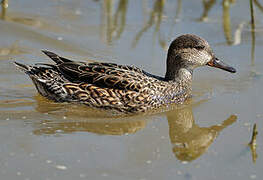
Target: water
206,138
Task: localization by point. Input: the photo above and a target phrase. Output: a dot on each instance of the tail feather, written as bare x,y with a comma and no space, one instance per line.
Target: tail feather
57,59
32,71
47,80
23,67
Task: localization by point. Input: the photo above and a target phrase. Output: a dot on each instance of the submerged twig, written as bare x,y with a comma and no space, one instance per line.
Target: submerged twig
252,33
155,18
207,7
227,22
120,18
258,5
4,4
253,143
252,13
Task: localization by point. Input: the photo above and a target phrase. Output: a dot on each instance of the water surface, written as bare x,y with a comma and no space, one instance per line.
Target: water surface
205,138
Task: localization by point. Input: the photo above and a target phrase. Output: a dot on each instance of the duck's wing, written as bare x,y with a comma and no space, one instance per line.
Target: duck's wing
108,75
56,58
105,75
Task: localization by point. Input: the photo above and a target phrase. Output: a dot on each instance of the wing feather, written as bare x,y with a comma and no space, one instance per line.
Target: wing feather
104,75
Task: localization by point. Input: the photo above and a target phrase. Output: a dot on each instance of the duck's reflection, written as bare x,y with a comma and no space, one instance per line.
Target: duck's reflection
89,120
189,141
109,128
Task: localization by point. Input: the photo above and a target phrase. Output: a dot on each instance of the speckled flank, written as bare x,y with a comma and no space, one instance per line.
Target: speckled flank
119,87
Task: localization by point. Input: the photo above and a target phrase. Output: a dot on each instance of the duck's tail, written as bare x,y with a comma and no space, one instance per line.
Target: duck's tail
24,68
46,79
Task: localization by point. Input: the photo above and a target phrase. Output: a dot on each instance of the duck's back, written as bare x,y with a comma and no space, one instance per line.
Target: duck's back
100,85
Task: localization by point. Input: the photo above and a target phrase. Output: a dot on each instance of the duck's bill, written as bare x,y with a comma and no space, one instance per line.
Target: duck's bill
219,64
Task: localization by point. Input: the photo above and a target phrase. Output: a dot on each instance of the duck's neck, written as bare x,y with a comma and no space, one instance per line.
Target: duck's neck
176,71
182,81
179,77
184,76
179,88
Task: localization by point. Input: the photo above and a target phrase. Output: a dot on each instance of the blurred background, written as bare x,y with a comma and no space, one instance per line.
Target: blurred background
205,138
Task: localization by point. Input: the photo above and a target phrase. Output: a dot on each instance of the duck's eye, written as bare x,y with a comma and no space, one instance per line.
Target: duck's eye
199,47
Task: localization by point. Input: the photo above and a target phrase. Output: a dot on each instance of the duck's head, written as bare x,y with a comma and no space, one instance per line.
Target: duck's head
190,51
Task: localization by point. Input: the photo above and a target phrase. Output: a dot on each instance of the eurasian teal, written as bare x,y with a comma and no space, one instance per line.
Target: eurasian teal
124,88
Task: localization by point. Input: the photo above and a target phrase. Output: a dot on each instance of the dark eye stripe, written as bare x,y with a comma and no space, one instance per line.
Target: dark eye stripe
199,47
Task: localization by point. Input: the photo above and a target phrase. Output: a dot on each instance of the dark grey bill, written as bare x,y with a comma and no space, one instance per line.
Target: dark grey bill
215,62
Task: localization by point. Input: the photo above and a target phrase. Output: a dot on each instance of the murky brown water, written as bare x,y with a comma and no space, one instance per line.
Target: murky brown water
206,138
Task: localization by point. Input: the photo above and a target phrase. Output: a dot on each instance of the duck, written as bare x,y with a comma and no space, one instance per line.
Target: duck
124,88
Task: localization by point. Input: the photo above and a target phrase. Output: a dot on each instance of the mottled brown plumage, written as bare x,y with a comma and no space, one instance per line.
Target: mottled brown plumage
120,87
